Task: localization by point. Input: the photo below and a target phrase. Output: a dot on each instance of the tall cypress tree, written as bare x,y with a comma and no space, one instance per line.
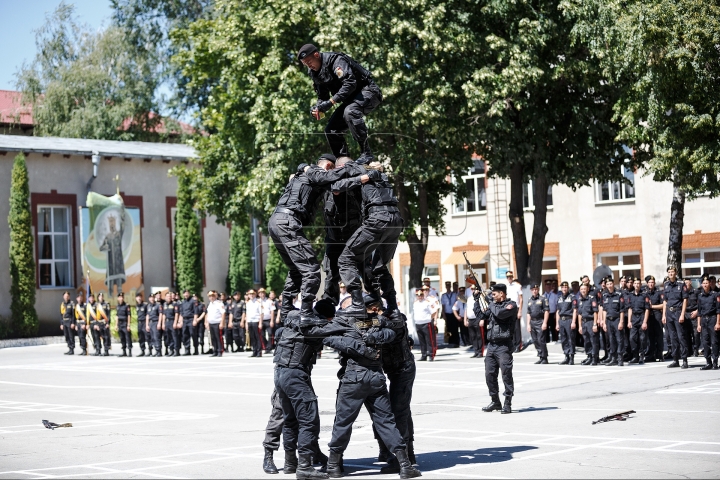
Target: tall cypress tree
275,270
240,273
22,261
188,240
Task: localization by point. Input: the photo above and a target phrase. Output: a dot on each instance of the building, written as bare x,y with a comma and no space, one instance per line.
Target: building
623,226
59,171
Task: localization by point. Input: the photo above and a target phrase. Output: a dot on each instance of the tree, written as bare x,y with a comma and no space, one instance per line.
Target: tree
542,111
662,56
275,270
24,321
257,110
188,240
241,266
86,84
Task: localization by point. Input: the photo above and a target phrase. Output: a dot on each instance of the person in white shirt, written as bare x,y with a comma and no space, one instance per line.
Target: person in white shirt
215,322
268,309
514,293
253,317
423,312
343,294
475,325
433,290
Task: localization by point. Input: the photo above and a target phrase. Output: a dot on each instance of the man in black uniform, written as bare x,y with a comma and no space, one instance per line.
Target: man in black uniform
67,312
566,323
198,325
674,303
638,310
586,313
151,326
709,324
500,319
538,313
168,322
236,311
141,315
81,323
655,326
612,310
691,315
350,85
187,312
178,325
343,216
374,243
123,325
296,209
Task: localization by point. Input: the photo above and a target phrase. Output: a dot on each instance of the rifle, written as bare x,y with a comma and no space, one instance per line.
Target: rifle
472,278
621,416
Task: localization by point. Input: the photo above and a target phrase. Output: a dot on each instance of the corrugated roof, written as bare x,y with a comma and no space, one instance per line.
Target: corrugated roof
106,148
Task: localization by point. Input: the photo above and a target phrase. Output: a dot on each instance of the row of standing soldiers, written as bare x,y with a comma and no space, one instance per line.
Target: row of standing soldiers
630,320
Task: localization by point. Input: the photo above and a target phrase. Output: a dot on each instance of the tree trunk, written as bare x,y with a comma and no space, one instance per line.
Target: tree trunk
677,219
537,248
417,244
517,224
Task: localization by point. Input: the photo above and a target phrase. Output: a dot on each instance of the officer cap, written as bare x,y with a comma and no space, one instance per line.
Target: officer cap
500,287
236,292
670,267
574,282
342,285
564,284
325,308
534,285
305,50
251,292
186,291
705,277
261,290
712,278
328,156
648,278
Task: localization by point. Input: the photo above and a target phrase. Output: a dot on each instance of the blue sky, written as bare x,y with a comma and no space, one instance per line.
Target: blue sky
21,17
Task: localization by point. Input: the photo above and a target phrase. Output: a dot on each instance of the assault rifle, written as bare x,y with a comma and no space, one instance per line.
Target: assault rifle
472,279
620,416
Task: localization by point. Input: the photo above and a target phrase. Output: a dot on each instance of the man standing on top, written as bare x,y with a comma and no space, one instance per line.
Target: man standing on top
338,79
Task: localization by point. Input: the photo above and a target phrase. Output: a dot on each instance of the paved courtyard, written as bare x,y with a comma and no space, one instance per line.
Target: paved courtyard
193,417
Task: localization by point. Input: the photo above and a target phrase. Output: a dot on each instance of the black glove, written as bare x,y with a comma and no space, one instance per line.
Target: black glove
301,167
374,175
324,105
371,353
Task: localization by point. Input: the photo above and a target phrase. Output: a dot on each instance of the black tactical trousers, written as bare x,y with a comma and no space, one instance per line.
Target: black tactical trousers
655,337
81,332
616,337
401,385
303,275
499,358
69,334
216,338
100,336
710,338
517,337
275,423
143,336
230,334
678,337
178,338
373,245
476,337
333,249
169,336
567,336
125,335
538,337
638,340
187,332
349,116
301,419
199,335
255,338
591,339
238,336
155,335
267,334
361,386
452,329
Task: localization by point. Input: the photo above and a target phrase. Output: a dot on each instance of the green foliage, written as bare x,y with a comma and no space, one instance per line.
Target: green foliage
241,266
275,270
188,240
24,321
85,84
662,56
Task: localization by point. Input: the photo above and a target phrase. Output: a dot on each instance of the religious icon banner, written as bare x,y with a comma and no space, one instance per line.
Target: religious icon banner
111,247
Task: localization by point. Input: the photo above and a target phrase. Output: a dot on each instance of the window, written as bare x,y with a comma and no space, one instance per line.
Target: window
53,223
528,193
616,191
627,264
549,269
703,262
480,271
475,199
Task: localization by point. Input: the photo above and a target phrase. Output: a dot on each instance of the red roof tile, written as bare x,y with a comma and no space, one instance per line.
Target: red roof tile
12,110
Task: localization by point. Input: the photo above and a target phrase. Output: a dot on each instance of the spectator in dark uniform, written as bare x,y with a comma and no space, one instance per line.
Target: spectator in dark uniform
655,324
199,325
123,326
708,324
143,334
612,311
691,315
566,325
675,301
538,313
586,313
638,310
447,301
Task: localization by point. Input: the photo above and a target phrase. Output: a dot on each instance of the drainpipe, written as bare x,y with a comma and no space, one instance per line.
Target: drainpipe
96,164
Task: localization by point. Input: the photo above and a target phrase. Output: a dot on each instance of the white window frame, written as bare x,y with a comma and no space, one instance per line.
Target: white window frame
621,268
476,178
554,272
53,235
624,169
702,264
531,196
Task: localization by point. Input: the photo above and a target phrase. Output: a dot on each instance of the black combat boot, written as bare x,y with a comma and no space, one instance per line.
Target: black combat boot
123,354
291,462
587,361
129,352
572,360
406,468
507,407
69,352
107,353
357,309
365,157
268,462
142,353
383,452
494,405
642,360
320,459
566,361
195,351
334,465
305,469
594,360
84,352
715,364
674,364
620,362
684,364
393,466
634,361
709,366
543,361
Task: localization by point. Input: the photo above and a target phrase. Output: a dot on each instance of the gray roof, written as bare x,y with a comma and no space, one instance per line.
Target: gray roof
106,148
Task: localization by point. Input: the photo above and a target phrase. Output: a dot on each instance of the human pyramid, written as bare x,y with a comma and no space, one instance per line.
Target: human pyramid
363,225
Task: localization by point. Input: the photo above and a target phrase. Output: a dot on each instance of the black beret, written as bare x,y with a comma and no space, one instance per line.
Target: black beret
499,287
325,308
534,285
649,277
305,50
327,156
